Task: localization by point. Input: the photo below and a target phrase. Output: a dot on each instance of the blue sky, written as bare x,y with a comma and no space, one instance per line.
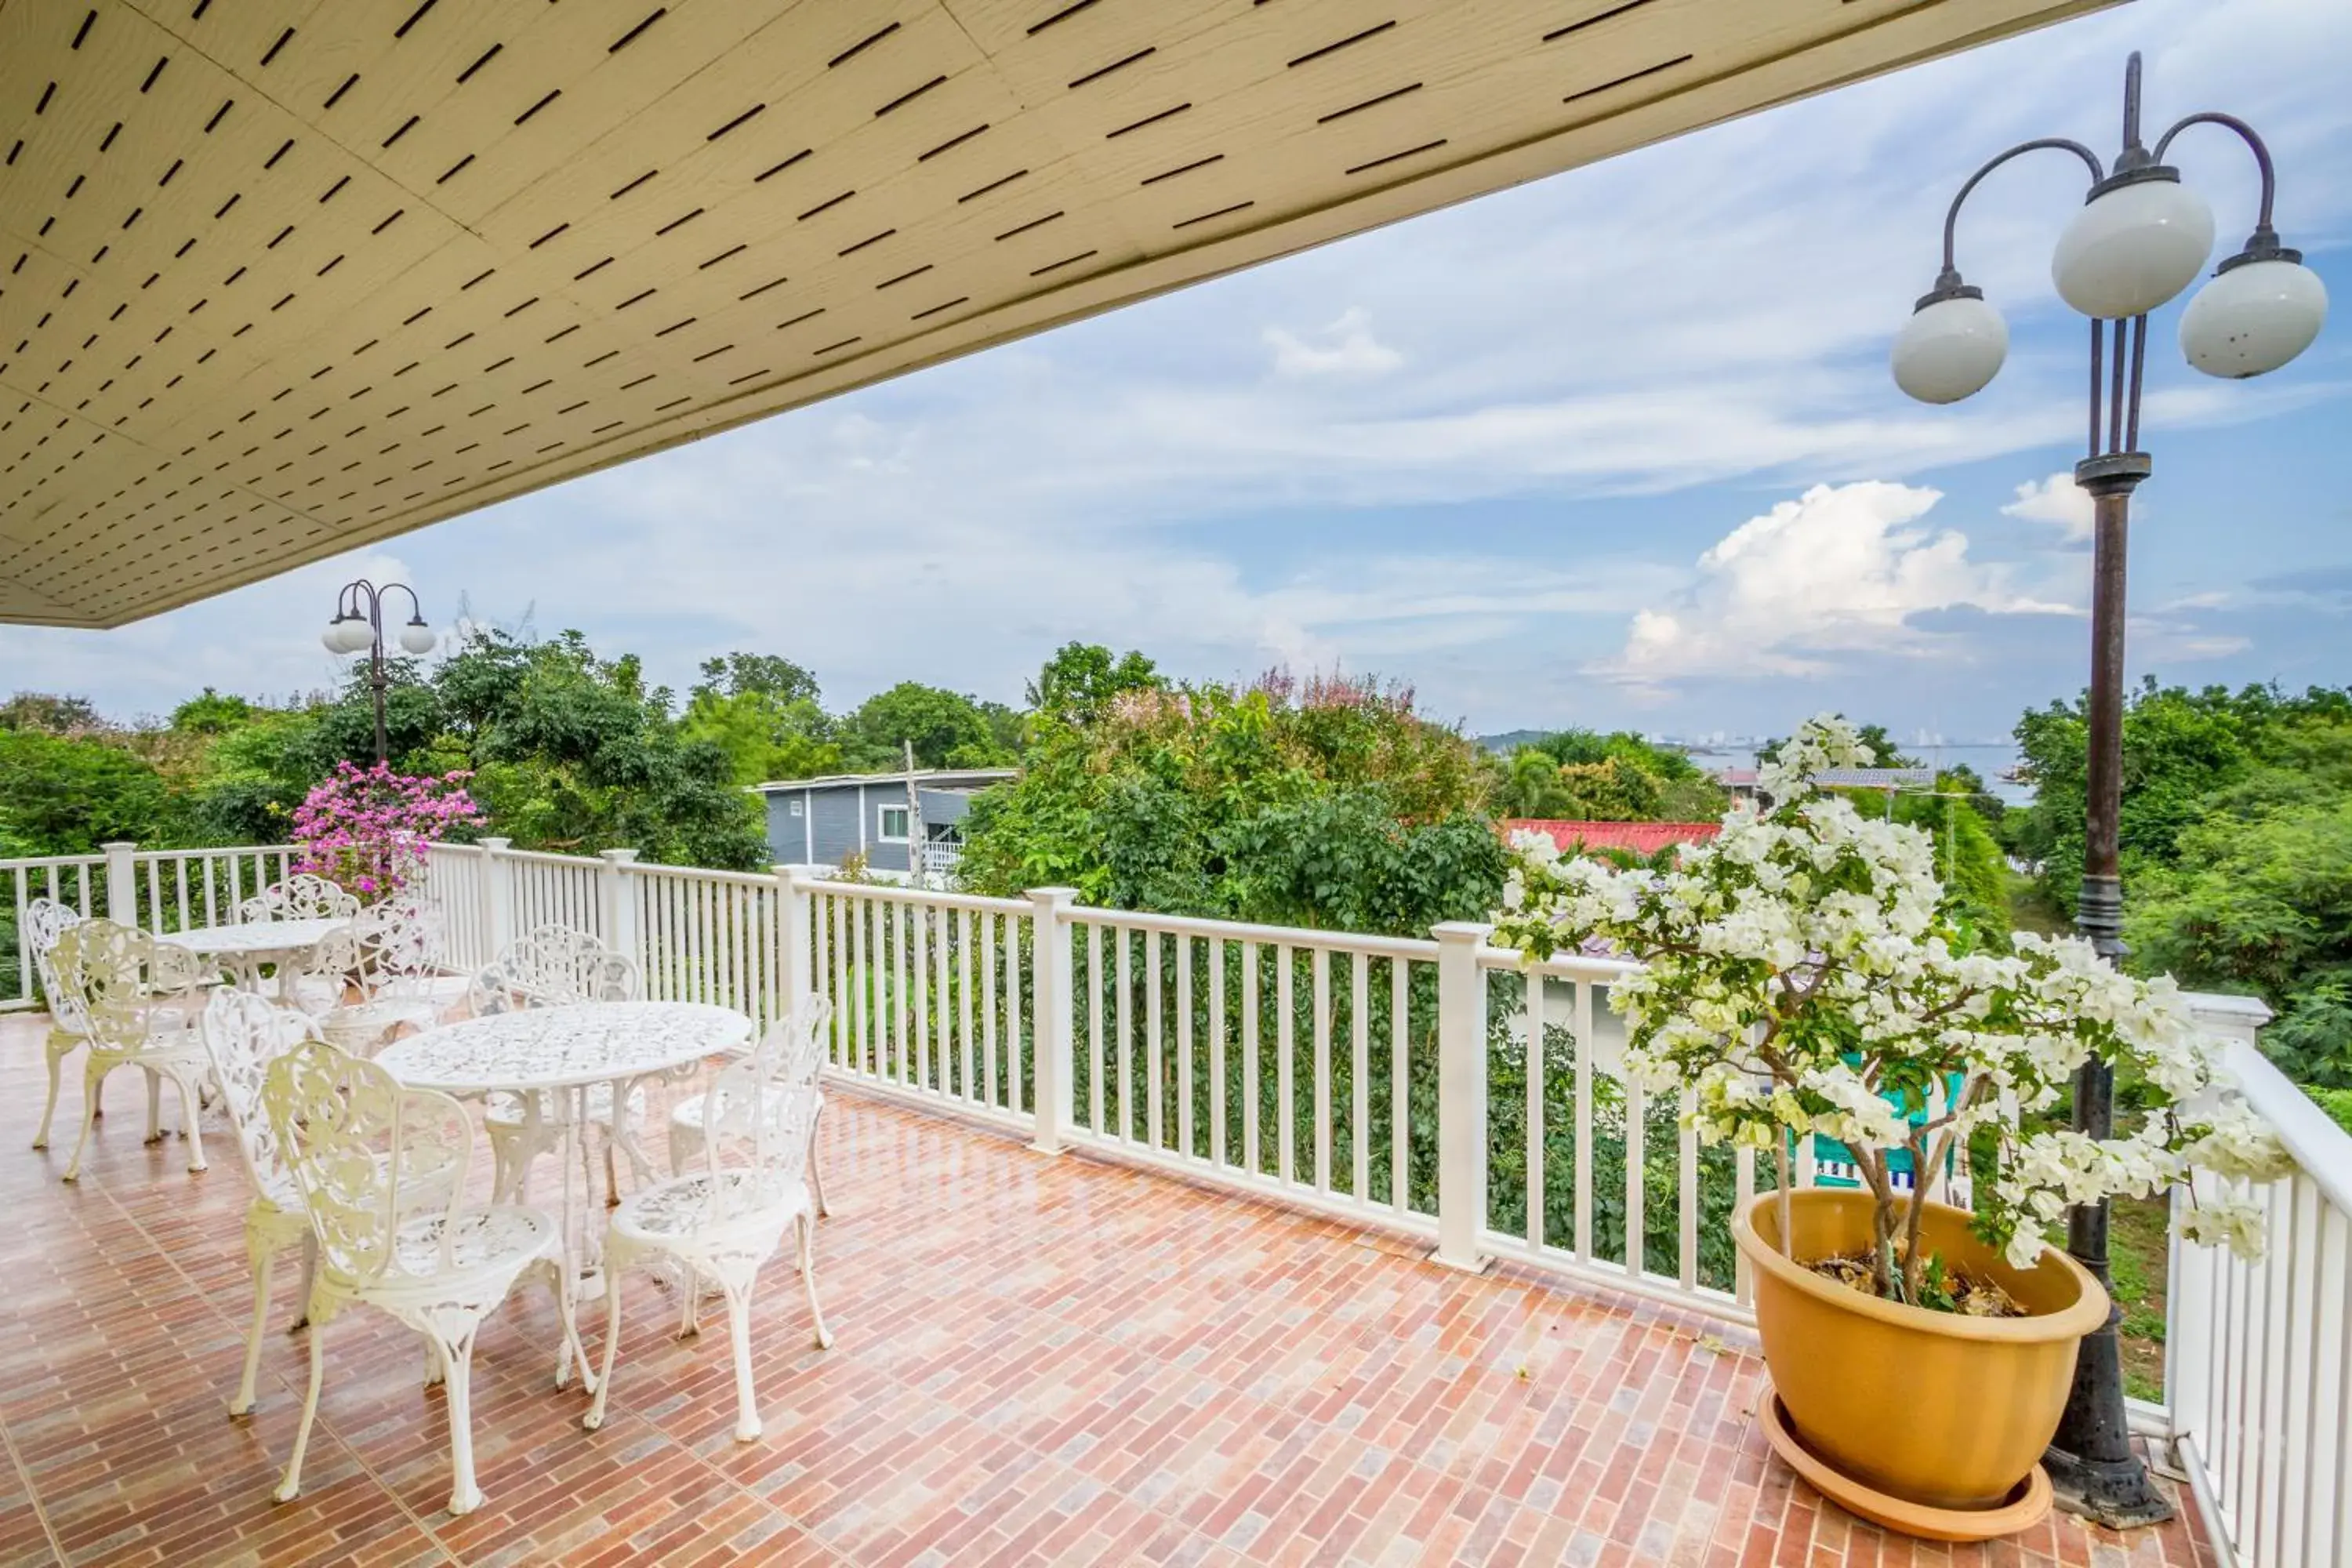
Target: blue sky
1618,447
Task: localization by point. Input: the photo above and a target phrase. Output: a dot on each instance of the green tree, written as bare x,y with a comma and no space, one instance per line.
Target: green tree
48,714
572,752
1583,775
763,737
210,713
1082,679
763,712
2179,748
949,731
2236,837
757,674
67,794
2258,895
1327,803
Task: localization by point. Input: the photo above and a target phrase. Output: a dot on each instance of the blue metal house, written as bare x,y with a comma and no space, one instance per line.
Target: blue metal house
824,821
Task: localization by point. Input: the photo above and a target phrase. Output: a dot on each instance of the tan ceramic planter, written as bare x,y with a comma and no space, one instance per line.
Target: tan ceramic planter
1941,1411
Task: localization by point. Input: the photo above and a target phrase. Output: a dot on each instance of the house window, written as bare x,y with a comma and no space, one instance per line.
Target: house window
890,823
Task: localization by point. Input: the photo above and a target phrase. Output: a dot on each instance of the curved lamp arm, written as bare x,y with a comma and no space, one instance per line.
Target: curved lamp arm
415,609
2263,245
1948,280
362,600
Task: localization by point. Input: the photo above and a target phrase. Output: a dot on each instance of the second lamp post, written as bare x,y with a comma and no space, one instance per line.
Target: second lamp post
358,627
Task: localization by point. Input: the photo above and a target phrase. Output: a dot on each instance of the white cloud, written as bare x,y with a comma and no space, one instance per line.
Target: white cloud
1796,591
2058,500
1349,349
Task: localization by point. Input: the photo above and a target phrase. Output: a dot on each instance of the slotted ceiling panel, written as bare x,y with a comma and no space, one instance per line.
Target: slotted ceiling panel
278,278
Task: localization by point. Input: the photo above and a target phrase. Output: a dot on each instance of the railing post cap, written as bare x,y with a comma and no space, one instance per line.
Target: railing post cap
113,844
1054,895
618,856
2253,1010
494,843
1471,931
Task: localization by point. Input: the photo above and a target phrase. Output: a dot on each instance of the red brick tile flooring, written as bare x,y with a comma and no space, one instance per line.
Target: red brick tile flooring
1035,1361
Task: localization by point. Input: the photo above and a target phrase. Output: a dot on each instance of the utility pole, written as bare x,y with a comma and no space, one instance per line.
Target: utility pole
915,870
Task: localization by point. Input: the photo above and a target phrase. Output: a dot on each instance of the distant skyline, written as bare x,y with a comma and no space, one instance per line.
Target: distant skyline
1617,448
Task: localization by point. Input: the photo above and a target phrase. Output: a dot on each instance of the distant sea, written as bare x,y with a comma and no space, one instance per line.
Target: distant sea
1990,759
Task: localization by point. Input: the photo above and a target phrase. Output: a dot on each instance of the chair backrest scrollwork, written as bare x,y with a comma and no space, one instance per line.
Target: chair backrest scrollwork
386,950
758,1129
120,979
804,1051
368,1156
45,920
551,967
301,896
244,1032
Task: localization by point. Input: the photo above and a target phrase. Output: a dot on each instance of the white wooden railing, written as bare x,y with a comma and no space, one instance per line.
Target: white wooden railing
162,890
2258,1356
1432,1087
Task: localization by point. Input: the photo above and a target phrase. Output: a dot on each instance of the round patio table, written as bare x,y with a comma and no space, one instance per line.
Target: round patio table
242,950
562,1052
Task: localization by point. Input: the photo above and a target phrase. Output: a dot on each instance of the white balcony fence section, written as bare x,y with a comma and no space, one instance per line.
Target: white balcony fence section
1436,1088
2258,1356
933,994
162,890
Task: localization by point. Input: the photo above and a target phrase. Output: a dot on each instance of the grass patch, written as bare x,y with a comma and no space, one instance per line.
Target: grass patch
2137,1257
2029,911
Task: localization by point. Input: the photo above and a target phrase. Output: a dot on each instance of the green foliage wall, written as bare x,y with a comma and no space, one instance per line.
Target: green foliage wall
2236,837
1326,804
1580,775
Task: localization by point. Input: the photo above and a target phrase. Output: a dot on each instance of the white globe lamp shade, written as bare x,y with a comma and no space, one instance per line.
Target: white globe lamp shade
355,635
416,637
332,637
1948,349
2254,318
2132,249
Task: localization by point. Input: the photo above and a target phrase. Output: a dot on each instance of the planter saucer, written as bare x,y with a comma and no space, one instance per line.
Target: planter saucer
2026,1506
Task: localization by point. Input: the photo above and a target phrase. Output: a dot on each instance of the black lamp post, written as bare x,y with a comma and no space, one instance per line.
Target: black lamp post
359,625
2140,238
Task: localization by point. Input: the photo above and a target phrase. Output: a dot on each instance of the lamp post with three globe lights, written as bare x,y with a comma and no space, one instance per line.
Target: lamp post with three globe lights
358,627
2140,238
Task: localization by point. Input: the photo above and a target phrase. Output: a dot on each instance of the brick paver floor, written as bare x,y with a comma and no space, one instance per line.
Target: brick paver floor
1035,1361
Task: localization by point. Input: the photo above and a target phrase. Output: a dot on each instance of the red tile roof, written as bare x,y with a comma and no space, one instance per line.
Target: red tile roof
1641,837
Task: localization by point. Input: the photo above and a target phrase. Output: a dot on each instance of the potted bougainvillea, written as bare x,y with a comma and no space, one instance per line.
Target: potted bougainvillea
368,830
1800,979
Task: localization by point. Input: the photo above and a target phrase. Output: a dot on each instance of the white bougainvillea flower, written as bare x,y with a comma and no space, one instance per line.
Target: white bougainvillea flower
1800,976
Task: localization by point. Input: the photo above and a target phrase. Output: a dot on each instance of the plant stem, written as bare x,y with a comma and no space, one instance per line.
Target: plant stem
1871,1163
1913,1265
1788,1242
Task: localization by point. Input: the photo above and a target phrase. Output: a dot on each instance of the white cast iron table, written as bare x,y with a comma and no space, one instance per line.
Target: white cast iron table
563,1051
243,949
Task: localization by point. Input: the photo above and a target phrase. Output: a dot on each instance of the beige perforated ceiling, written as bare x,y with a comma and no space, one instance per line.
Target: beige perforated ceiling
281,277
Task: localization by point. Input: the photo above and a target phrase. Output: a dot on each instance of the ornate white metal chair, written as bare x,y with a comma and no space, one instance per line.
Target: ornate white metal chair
385,956
722,1222
139,998
301,896
366,1155
242,1034
800,1057
45,920
553,966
